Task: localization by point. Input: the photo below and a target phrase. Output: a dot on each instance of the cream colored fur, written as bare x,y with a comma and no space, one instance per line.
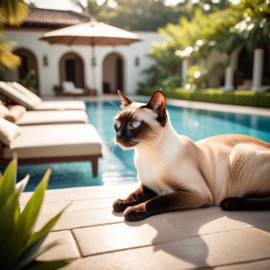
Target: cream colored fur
214,168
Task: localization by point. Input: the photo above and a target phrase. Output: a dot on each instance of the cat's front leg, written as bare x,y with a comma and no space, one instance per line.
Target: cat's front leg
178,200
142,194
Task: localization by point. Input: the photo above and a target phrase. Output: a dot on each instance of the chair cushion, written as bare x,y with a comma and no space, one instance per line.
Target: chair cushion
27,92
3,110
60,105
44,141
15,113
17,97
53,117
8,131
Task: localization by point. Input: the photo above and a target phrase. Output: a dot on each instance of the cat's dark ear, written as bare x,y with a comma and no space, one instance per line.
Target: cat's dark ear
124,100
157,104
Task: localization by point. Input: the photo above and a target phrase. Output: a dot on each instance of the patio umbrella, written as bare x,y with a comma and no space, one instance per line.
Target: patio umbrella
91,33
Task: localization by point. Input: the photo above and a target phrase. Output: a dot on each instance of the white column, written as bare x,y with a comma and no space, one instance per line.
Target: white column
229,78
257,70
184,71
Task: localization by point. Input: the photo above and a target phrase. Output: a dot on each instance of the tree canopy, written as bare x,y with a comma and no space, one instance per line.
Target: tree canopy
146,15
254,27
223,29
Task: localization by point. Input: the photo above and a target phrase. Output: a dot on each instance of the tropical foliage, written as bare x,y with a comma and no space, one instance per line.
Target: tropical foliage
30,81
222,29
7,58
20,245
12,12
147,15
243,98
254,28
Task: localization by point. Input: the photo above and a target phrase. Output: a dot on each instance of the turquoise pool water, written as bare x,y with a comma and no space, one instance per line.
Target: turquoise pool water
117,165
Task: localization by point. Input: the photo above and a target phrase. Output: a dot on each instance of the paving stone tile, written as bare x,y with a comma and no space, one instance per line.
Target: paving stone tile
90,204
53,208
207,237
87,193
122,191
70,220
50,196
94,240
257,265
213,219
226,248
65,249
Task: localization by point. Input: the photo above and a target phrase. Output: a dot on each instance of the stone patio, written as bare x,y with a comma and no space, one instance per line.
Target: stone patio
97,238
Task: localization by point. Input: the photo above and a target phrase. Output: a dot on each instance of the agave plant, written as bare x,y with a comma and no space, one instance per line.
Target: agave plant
20,245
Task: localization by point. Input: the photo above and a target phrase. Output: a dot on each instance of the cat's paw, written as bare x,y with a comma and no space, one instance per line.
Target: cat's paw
136,213
119,205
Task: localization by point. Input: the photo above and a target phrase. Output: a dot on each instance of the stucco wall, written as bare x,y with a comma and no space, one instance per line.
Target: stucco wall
49,76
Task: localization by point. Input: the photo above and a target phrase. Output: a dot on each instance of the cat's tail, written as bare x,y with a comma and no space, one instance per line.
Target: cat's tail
235,203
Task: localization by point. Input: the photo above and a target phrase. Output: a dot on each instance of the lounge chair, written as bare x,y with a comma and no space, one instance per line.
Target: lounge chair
50,143
17,94
18,115
70,89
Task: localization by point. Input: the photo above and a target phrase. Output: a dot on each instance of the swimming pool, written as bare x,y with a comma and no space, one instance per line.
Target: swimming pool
117,165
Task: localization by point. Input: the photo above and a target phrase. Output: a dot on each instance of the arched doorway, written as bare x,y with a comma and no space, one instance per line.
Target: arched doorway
72,69
113,73
27,72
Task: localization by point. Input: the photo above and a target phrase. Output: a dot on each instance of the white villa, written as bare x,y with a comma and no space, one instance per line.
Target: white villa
118,67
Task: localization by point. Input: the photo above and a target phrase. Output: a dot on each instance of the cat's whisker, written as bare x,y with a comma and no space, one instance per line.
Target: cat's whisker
111,144
111,147
111,110
114,106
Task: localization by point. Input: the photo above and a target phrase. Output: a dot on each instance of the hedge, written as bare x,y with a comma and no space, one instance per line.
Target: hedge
244,98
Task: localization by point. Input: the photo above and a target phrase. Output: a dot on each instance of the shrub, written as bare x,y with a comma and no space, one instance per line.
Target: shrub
30,81
20,245
244,98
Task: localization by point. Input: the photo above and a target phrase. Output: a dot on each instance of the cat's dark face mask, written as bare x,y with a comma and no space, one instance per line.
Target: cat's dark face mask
127,130
135,123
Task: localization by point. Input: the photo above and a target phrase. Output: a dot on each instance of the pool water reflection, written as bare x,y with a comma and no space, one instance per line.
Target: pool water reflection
117,165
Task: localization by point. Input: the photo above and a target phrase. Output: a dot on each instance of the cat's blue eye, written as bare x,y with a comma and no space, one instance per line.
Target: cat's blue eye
117,124
135,124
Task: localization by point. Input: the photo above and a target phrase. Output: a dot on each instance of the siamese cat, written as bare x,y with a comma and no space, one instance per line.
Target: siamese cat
232,171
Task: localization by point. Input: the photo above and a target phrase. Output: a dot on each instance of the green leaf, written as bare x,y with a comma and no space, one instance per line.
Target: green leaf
33,252
19,246
20,186
48,226
46,265
23,228
30,212
8,181
9,215
35,240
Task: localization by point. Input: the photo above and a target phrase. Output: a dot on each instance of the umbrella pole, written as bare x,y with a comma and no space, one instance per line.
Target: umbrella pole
93,63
